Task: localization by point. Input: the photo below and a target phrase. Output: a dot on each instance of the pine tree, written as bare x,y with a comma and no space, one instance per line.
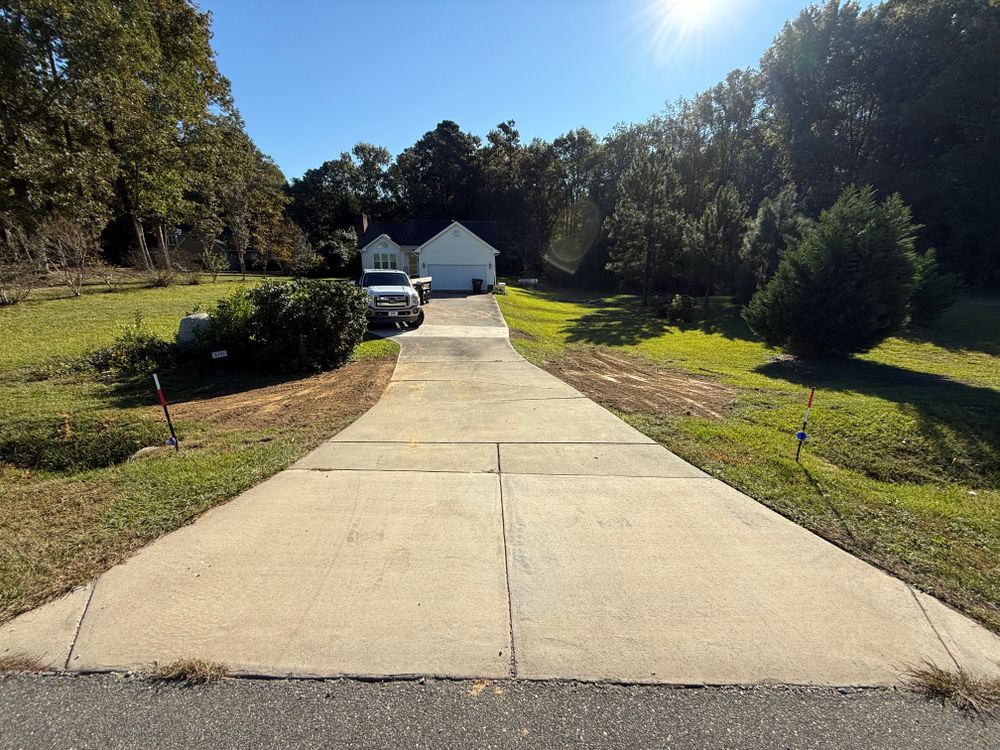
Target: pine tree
779,224
646,227
846,285
714,239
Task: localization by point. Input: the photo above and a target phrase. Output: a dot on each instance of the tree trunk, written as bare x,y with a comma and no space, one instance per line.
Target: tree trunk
161,240
139,235
708,291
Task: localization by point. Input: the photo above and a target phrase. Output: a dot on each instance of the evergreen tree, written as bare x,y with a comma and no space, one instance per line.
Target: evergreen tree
646,228
713,240
778,224
846,285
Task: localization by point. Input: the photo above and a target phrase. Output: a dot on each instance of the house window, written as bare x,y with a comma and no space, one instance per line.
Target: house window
385,260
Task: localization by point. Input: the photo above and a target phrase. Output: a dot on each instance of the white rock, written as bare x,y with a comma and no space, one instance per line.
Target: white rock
189,327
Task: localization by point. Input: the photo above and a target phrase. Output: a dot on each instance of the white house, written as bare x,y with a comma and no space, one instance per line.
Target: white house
453,253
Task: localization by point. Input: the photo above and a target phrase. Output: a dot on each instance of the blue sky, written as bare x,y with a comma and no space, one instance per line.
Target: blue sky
312,78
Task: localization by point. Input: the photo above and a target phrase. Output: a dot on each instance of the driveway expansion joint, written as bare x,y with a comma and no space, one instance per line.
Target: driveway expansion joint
937,633
506,568
79,623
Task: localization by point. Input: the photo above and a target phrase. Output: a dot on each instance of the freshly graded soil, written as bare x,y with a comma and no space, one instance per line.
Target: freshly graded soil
634,385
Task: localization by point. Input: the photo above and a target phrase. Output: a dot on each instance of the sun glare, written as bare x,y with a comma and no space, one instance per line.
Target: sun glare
692,14
680,24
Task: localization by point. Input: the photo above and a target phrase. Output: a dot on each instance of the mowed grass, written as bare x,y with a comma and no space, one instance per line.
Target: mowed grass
60,528
903,463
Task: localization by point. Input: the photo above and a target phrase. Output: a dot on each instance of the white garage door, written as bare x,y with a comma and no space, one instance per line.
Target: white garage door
449,278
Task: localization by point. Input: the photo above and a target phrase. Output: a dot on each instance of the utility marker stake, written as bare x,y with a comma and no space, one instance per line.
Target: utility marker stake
166,413
801,434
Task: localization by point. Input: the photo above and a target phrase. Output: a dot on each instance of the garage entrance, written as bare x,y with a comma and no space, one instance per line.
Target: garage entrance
454,278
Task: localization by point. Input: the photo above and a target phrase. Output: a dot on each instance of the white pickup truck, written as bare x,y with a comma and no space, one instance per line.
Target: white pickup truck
393,297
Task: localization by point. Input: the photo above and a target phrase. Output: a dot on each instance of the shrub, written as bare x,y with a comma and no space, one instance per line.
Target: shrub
230,326
680,309
305,324
846,285
214,262
76,442
18,266
136,351
935,291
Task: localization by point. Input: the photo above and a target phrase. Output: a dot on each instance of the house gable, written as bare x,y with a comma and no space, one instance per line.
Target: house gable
466,233
382,238
418,232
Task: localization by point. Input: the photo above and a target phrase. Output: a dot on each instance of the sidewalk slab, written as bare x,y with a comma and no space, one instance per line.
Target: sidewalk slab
688,581
410,393
594,459
495,373
318,574
389,456
562,420
45,635
492,349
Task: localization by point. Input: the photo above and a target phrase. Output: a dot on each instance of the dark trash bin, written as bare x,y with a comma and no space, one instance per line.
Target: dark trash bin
477,286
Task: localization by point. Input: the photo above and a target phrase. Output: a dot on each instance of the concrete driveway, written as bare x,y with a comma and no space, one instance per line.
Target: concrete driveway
485,519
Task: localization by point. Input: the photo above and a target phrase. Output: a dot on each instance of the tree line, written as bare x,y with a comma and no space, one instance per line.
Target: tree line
117,128
903,96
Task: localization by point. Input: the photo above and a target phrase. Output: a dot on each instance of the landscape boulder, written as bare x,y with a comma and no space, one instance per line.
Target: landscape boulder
187,332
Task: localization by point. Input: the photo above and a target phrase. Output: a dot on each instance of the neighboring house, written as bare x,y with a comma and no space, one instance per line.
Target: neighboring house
453,253
188,244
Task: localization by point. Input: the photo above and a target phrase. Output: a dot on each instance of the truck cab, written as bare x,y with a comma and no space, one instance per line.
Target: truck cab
392,297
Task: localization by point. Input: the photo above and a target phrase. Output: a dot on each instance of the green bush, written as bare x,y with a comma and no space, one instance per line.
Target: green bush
76,442
214,262
230,326
135,352
680,309
304,324
846,285
935,292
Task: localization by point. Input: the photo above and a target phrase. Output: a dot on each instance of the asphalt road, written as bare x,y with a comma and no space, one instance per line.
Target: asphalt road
112,711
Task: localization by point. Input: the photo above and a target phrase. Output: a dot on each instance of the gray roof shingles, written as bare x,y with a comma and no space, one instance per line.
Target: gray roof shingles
418,231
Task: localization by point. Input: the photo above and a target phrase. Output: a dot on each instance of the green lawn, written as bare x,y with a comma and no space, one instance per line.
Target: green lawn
58,528
903,463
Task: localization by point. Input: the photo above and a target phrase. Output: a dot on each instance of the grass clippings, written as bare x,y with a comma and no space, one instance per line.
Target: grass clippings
189,672
19,664
979,695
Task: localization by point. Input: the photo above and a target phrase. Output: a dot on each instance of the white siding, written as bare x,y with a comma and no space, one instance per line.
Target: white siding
458,246
382,246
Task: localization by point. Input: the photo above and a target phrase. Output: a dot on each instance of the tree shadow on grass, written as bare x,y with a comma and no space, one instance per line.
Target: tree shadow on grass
972,325
960,421
615,326
624,322
181,386
190,382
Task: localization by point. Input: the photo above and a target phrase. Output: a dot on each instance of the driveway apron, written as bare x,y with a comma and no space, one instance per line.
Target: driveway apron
485,519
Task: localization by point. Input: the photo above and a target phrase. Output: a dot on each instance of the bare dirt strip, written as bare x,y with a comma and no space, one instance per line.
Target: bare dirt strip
634,385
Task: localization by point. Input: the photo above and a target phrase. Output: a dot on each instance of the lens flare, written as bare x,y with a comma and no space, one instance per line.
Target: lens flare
694,14
677,26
